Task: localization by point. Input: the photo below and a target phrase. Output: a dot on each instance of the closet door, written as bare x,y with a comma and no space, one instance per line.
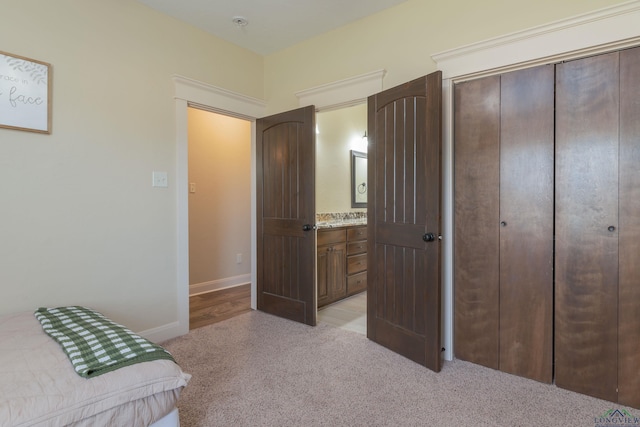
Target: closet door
504,222
526,222
477,203
586,312
629,244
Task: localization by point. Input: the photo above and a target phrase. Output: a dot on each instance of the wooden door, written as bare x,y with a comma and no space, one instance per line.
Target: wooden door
477,213
285,169
586,258
629,239
526,222
503,266
403,300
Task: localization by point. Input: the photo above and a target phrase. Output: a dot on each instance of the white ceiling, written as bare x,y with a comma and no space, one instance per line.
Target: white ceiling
273,24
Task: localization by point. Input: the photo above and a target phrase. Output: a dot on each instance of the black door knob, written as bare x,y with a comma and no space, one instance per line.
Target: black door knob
611,228
503,223
429,237
307,227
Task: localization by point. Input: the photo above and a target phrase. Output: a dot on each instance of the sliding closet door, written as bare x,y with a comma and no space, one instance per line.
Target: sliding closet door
477,204
526,222
629,286
586,315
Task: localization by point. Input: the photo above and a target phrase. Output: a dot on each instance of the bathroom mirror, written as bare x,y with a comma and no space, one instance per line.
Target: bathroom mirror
358,179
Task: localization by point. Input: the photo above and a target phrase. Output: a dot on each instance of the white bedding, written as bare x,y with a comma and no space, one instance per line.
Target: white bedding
38,386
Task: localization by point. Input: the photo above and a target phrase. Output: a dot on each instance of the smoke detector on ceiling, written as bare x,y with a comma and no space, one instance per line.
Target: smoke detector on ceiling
240,21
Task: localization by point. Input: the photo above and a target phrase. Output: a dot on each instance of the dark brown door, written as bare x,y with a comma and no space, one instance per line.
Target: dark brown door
504,221
629,297
403,300
526,222
477,229
586,311
285,151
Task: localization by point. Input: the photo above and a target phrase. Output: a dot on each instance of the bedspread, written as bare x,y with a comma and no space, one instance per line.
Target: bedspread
38,385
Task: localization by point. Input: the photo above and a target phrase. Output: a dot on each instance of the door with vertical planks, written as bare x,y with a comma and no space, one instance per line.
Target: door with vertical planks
285,170
403,220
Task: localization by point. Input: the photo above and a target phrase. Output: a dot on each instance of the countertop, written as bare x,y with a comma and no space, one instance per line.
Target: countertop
341,223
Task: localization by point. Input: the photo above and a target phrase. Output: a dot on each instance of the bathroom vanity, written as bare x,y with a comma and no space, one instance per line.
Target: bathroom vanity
341,262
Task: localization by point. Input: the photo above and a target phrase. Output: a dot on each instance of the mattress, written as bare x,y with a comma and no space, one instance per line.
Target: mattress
38,386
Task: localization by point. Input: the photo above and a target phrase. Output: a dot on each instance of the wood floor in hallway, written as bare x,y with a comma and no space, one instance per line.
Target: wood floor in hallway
212,307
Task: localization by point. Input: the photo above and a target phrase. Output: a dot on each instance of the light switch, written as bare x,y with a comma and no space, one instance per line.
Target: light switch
192,187
160,179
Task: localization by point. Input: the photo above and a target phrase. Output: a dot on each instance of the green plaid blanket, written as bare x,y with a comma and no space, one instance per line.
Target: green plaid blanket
94,344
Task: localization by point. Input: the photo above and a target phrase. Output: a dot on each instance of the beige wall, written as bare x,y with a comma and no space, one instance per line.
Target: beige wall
220,208
79,220
339,132
402,39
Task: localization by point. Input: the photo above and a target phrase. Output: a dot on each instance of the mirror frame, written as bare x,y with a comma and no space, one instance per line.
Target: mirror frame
355,186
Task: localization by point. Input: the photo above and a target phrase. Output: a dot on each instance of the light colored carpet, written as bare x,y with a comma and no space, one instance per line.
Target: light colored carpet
259,370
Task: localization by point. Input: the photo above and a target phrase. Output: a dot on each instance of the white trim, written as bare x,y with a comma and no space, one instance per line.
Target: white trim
604,30
216,285
217,98
607,29
342,93
447,225
164,332
182,217
201,95
254,219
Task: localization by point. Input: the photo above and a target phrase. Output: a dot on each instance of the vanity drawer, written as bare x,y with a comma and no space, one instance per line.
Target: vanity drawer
356,264
328,236
357,233
355,248
357,283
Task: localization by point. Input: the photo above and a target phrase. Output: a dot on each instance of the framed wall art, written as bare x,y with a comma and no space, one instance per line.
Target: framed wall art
25,94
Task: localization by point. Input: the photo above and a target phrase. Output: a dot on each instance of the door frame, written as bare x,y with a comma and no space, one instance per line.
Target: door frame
604,30
192,93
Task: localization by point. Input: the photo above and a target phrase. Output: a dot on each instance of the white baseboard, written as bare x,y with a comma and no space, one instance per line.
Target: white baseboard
215,285
165,332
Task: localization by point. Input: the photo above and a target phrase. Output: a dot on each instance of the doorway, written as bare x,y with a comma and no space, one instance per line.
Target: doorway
339,132
219,198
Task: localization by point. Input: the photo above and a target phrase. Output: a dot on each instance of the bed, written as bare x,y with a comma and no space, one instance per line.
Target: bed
39,387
